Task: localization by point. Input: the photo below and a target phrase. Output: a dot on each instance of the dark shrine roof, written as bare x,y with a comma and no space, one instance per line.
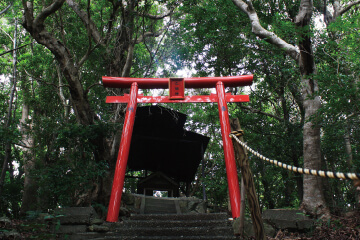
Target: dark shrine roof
160,143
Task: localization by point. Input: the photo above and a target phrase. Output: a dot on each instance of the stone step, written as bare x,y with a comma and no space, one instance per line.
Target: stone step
288,219
160,201
167,205
154,205
164,207
187,217
159,206
170,238
175,231
75,215
178,223
113,236
159,211
156,226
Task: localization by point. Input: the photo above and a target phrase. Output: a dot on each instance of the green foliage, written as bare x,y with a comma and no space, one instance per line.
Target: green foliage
338,78
11,198
71,168
208,38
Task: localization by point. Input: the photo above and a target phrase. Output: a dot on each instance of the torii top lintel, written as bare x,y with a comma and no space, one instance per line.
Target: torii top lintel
163,83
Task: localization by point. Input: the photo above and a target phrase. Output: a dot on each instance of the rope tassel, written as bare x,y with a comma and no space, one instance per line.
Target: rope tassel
328,174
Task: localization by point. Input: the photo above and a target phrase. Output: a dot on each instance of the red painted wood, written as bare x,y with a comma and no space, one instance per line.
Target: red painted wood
188,99
193,82
121,162
176,88
231,170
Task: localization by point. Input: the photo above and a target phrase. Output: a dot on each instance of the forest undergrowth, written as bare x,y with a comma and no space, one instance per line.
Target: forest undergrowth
345,227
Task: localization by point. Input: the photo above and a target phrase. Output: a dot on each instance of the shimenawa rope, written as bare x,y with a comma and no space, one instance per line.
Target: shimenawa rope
353,176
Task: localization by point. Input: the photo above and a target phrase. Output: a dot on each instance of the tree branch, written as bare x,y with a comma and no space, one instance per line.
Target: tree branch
147,34
157,49
28,13
348,7
21,144
39,20
305,12
111,20
338,11
46,83
260,112
128,63
262,33
7,8
299,100
7,34
11,50
91,86
87,54
89,24
62,54
156,17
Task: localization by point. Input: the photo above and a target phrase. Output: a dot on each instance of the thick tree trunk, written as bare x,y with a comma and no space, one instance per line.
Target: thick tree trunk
29,197
313,199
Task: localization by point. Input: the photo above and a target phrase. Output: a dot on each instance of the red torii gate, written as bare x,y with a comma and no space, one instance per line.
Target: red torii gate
176,95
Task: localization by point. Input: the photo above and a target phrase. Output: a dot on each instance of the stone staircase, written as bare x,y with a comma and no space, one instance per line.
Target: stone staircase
165,227
185,226
164,223
160,221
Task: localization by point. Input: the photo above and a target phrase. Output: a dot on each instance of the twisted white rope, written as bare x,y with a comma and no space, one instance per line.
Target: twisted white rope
353,176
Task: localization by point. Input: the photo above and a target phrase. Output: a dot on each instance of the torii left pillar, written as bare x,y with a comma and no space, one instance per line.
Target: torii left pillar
121,162
221,98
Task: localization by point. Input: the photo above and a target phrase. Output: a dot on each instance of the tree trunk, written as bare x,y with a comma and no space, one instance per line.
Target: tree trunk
8,116
349,156
242,208
247,177
313,198
29,197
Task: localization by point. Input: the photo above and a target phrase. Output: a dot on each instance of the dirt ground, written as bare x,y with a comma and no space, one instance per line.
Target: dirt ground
338,228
